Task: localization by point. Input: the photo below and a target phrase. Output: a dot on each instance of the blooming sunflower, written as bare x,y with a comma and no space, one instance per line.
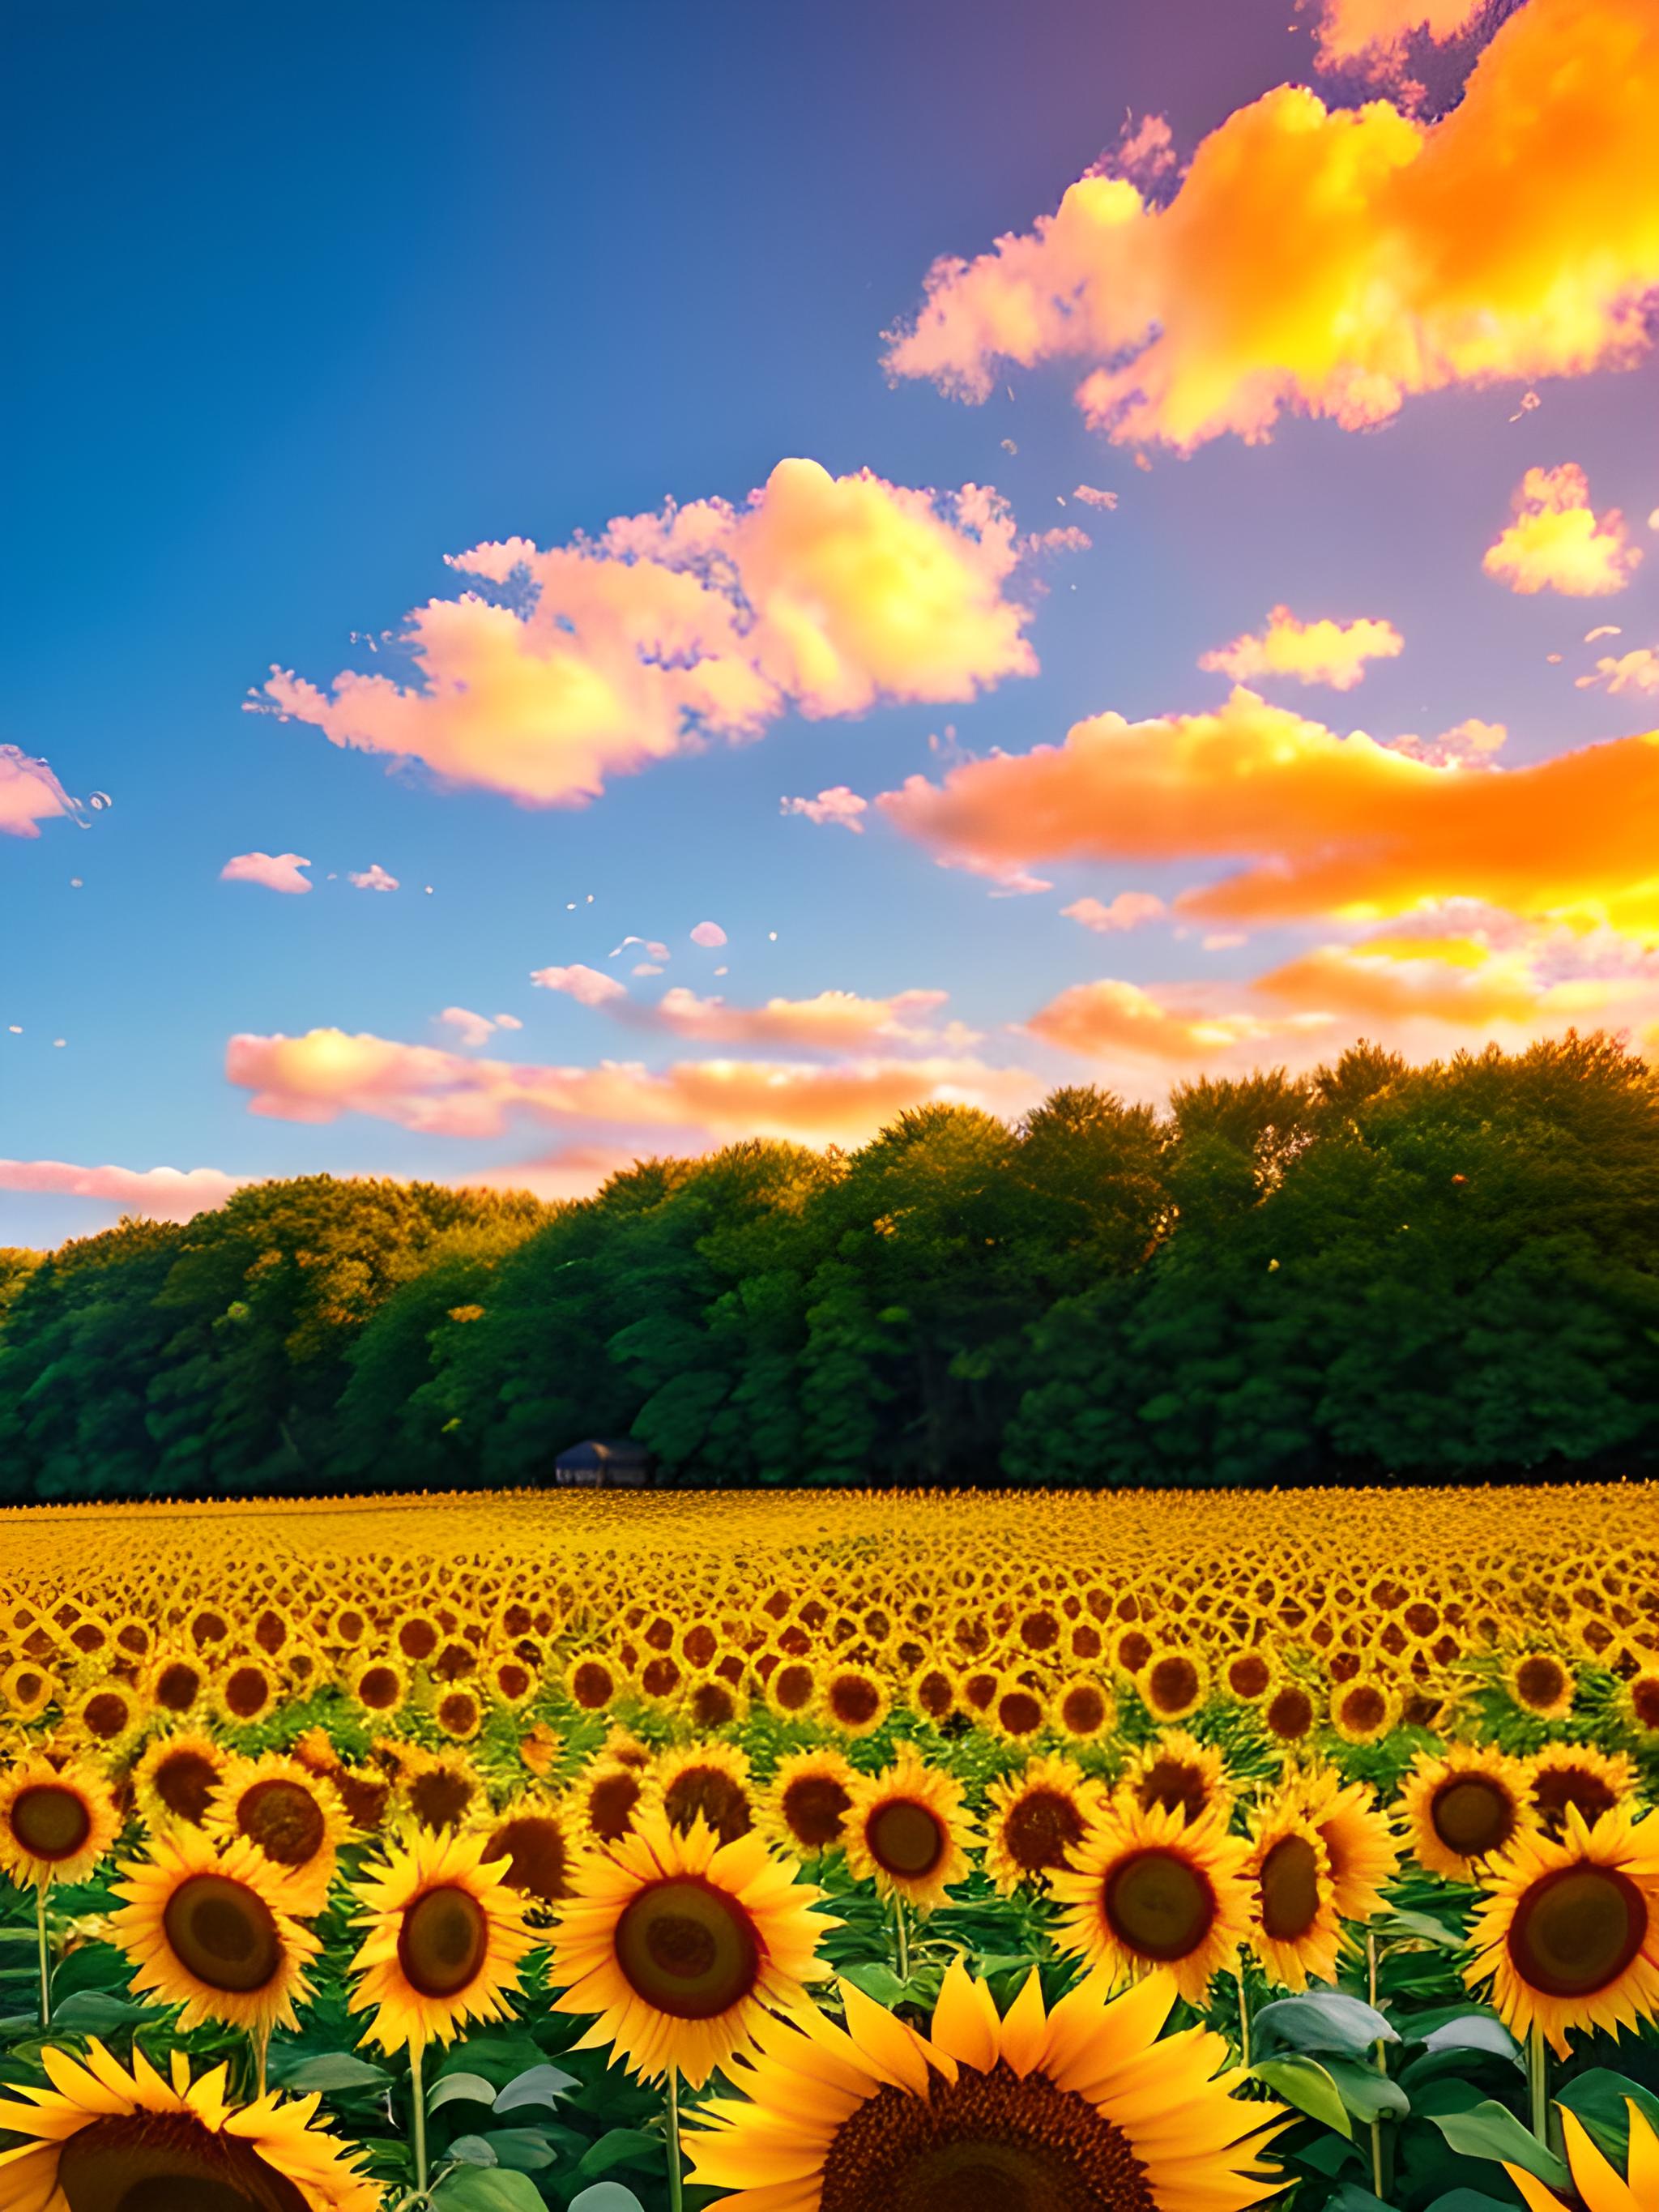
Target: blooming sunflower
1083,2106
56,1822
380,1686
854,1700
458,1712
441,1790
591,1682
1364,1709
1541,1684
1358,1838
932,1692
1462,1804
174,1685
246,1691
1294,1928
537,1838
27,1689
1150,1889
445,1935
1036,1820
1290,1713
106,1713
711,1702
1083,1709
1176,1771
1568,1933
210,1930
1576,1776
681,1944
1017,1711
606,1797
791,1689
293,1816
1592,2179
177,1777
906,1829
707,1782
1637,1705
101,2135
1173,1682
806,1806
1248,1675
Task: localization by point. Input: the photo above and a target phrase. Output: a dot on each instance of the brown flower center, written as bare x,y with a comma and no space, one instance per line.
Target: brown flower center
457,1712
1289,1889
1020,1713
1177,1784
712,1705
1644,1700
378,1688
1576,1931
537,1858
700,1643
1248,1675
719,1797
184,1781
1540,1682
1039,1829
417,1638
443,1942
1083,1709
106,1714
49,1822
815,1807
178,1685
688,1948
905,1840
438,1798
247,1691
854,1700
792,1688
1173,1685
1159,1905
610,1805
222,1933
987,2143
285,1819
1364,1710
1291,1714
661,1678
1472,1815
1555,1788
591,1686
166,2162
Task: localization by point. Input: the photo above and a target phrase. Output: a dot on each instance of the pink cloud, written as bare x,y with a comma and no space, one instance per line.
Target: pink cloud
709,933
1376,33
836,1021
158,1193
277,872
1127,911
374,879
574,1172
589,986
471,1028
1092,497
1470,744
1313,653
823,594
838,805
29,794
1558,542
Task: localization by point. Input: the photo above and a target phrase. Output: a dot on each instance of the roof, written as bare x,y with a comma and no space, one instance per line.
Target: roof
604,1452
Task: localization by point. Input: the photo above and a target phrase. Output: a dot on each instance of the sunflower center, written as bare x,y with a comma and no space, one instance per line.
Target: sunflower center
986,2143
105,1715
1289,1889
185,1780
284,1820
176,1685
1644,1701
1082,1709
688,1948
1576,1931
1365,1708
224,1932
1041,1828
49,1822
247,1691
610,1805
538,1860
1539,1681
713,1705
1248,1674
443,1942
378,1688
854,1700
1177,1784
904,1839
1159,1905
438,1798
815,1807
591,1684
1472,1815
1019,1712
1291,1714
155,2162
719,1797
792,1688
1173,1685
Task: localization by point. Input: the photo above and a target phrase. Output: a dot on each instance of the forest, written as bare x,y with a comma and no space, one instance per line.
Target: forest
1375,1273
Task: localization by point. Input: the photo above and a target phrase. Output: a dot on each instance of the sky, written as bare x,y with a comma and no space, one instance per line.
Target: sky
587,581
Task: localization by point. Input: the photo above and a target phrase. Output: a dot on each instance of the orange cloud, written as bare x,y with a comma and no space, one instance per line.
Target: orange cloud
1636,672
1325,825
833,1021
1558,542
1376,32
1336,261
1313,652
277,872
318,1076
823,594
1108,1017
158,1193
29,794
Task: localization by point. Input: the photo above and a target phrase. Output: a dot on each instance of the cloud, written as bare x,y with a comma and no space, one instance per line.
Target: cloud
159,1194
1334,262
833,1021
589,986
318,1076
1145,153
1602,629
1127,911
475,1028
1313,652
1322,824
374,879
1558,542
277,872
709,933
573,1171
1469,744
1376,33
837,805
823,594
1110,1018
29,794
1092,497
1636,672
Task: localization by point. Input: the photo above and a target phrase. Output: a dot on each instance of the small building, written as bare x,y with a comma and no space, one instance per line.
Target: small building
607,1463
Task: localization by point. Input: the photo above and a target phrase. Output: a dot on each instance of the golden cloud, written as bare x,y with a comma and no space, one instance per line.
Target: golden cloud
1322,652
1636,672
1336,261
1558,542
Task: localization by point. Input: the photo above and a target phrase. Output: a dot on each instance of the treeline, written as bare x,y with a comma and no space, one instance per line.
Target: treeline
1375,1273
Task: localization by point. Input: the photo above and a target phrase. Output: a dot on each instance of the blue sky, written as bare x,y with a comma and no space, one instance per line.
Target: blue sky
312,297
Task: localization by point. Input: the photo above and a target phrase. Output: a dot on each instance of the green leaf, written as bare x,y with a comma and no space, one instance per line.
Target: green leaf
527,2150
1350,2197
331,2072
95,2012
1492,2130
1598,2099
1368,2095
1467,2200
1475,2031
472,2150
487,2188
606,2196
1305,2083
537,2085
1423,1926
622,2147
877,1981
449,2087
1323,2020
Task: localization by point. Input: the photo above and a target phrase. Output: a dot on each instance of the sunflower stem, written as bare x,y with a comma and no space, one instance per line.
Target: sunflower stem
417,2097
1538,2080
1243,2018
1380,2056
902,1937
260,2043
43,1936
676,2170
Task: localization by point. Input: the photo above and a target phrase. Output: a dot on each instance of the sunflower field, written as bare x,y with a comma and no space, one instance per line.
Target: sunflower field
832,1853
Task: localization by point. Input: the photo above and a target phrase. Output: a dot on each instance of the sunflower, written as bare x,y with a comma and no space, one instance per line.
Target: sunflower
1036,1820
681,1944
445,1935
101,2135
905,1830
246,1691
591,1682
1176,1771
27,1689
854,1700
606,1797
1358,1836
1364,1709
624,1748
1463,1805
459,1712
1565,1776
1294,1929
380,1686
792,1688
932,1692
1638,1704
1248,1675
56,1822
710,1701
174,1685
1289,1714
806,1806
536,1836
1083,1709
1541,1685
106,1713
177,1775
1173,1682
1150,1889
709,1782
419,1636
1594,2180
1568,1934
293,1816
1016,1711
441,1788
1083,2106
210,1930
